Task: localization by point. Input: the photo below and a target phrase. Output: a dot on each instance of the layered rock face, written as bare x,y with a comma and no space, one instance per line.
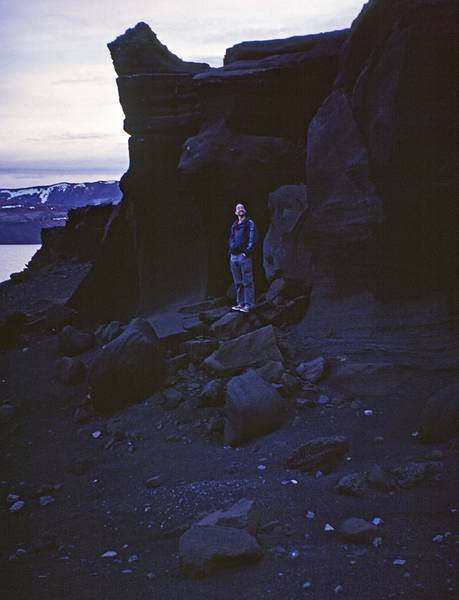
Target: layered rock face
342,146
201,140
382,209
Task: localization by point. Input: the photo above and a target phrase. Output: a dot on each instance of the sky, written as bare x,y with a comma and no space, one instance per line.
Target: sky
60,119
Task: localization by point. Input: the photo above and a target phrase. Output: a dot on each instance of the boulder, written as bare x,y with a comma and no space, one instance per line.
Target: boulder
70,371
109,332
319,454
207,548
249,350
213,314
252,408
212,393
440,415
73,342
353,484
272,371
359,531
313,371
197,350
242,515
128,369
231,325
378,479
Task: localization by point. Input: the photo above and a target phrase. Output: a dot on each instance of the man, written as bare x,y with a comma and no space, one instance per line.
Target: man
242,242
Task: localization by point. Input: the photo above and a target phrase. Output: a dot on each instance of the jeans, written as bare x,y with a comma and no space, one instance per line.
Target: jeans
241,270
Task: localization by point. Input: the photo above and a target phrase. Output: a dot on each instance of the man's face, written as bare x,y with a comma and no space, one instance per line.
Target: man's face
240,210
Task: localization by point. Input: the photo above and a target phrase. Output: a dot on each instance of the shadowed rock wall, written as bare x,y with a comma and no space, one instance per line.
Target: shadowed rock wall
201,140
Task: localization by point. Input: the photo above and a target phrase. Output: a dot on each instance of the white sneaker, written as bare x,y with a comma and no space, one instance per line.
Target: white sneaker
245,309
238,307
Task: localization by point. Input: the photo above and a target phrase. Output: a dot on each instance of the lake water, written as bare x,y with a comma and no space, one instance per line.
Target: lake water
14,257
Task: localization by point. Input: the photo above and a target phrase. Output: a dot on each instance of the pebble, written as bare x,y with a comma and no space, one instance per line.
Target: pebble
12,498
338,589
151,575
45,500
294,553
377,541
329,527
261,467
310,514
96,434
437,538
17,506
377,521
368,412
318,474
306,585
109,554
126,571
399,562
133,558
414,434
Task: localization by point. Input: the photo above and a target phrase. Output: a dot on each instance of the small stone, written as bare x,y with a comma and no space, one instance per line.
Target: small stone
307,585
399,562
310,514
109,554
437,538
323,400
294,553
17,506
45,500
126,571
338,589
377,542
328,527
96,434
415,434
12,498
133,558
261,467
353,484
154,482
377,521
359,531
368,412
151,575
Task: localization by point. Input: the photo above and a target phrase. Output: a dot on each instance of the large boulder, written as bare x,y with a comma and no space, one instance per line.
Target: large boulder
207,548
249,350
242,515
72,341
252,408
440,416
128,369
319,454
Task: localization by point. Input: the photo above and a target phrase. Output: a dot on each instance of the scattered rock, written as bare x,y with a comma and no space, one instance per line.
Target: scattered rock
353,484
410,474
252,408
313,370
242,515
17,506
213,393
272,371
321,453
45,500
154,482
206,548
249,350
110,331
231,325
128,369
359,531
378,479
73,342
440,416
70,371
171,398
197,350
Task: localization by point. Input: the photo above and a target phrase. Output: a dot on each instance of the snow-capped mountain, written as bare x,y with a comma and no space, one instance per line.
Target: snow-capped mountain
24,212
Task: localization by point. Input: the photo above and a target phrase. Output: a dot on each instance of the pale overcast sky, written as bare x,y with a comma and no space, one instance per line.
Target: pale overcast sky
60,119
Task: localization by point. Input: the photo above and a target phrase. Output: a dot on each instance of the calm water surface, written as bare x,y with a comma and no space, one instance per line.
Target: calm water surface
14,257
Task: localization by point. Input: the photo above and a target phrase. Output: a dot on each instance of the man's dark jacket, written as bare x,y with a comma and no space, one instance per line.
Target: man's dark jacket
243,237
